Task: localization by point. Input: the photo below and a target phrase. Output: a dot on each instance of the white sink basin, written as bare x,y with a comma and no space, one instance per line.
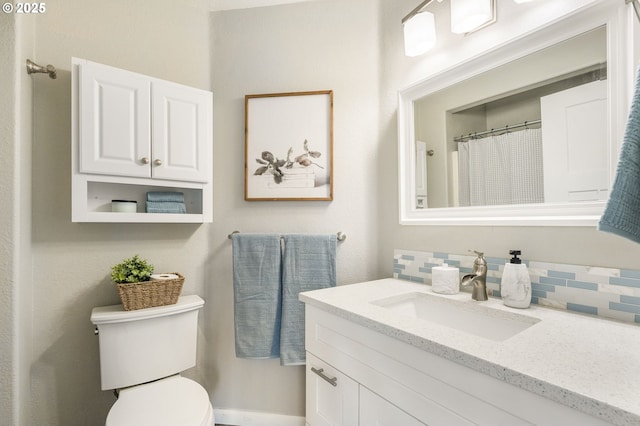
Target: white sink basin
468,317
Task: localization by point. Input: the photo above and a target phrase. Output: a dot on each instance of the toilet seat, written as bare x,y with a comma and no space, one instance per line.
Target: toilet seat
168,402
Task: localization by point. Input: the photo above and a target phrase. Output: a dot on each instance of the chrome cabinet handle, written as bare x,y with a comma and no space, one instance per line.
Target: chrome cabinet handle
157,162
144,160
333,381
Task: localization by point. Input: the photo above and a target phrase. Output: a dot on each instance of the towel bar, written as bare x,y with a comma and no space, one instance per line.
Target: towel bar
341,236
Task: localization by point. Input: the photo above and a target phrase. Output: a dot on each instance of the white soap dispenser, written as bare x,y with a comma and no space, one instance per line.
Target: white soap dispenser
516,283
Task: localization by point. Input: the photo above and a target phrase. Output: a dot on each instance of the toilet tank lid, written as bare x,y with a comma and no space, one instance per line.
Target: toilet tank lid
116,313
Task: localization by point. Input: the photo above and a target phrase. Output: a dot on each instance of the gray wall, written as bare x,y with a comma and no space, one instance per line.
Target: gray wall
299,47
8,147
288,48
72,261
353,47
16,44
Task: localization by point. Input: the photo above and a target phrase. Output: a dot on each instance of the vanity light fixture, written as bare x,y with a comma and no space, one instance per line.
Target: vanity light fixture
466,16
419,34
419,30
471,15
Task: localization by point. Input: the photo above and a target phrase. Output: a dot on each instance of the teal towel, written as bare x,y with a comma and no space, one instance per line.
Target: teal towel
173,196
257,260
622,214
309,264
165,207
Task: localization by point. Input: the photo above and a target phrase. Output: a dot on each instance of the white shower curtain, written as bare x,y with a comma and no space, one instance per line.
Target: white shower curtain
504,169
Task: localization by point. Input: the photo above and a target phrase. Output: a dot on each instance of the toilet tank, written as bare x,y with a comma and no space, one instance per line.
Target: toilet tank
146,344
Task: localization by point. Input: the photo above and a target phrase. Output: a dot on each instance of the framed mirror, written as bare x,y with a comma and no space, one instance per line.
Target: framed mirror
527,134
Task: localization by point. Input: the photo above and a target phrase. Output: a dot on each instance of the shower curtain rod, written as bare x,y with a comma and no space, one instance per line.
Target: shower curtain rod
341,236
466,138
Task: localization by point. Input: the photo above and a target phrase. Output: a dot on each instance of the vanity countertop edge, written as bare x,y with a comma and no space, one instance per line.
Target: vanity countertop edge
586,363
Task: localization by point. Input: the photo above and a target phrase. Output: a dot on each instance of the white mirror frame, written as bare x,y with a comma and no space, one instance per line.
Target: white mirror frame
619,77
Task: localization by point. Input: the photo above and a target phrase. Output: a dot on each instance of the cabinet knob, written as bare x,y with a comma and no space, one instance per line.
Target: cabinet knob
157,162
144,160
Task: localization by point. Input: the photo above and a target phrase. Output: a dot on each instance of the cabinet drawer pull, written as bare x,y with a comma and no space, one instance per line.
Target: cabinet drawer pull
144,160
157,162
320,372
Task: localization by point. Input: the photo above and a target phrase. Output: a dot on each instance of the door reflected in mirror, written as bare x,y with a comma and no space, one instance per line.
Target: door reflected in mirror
531,131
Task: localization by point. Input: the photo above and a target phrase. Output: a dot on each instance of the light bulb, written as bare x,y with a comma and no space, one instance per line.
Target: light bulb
419,34
467,15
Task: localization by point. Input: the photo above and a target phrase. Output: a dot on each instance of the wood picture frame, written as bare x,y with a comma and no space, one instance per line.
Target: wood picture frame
289,146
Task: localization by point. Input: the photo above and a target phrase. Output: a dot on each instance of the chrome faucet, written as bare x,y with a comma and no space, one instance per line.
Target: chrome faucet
478,278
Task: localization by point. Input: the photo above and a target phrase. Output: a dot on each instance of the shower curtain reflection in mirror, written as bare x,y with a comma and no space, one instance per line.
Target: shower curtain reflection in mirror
501,169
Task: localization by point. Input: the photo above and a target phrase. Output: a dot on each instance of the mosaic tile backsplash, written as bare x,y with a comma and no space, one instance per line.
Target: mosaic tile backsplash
605,292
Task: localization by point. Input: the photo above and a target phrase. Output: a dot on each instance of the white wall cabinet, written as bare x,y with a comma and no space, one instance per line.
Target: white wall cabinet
132,134
399,384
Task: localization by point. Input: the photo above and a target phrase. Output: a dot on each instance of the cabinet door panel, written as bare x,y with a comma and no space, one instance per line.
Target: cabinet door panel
376,411
329,405
114,121
182,132
575,160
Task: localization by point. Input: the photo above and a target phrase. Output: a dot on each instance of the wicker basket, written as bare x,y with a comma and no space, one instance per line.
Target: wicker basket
148,294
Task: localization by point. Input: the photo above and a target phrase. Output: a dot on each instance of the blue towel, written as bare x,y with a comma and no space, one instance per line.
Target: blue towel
165,207
257,262
309,264
622,214
174,196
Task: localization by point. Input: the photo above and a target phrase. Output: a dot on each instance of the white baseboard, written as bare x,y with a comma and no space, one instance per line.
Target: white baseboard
228,416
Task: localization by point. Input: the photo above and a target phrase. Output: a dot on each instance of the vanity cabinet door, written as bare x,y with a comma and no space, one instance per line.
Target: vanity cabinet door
114,117
376,411
182,132
332,397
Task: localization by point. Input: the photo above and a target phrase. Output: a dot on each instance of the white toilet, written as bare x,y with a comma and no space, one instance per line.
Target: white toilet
142,353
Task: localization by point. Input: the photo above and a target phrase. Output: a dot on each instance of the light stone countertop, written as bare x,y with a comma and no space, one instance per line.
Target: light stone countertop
587,363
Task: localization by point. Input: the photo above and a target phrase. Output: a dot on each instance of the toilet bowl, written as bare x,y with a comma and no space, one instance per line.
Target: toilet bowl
172,401
142,353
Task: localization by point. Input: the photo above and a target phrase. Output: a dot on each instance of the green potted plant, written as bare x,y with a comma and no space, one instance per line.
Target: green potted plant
138,289
132,270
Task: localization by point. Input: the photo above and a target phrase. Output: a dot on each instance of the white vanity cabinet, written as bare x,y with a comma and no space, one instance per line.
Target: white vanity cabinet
399,384
376,411
132,134
334,399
